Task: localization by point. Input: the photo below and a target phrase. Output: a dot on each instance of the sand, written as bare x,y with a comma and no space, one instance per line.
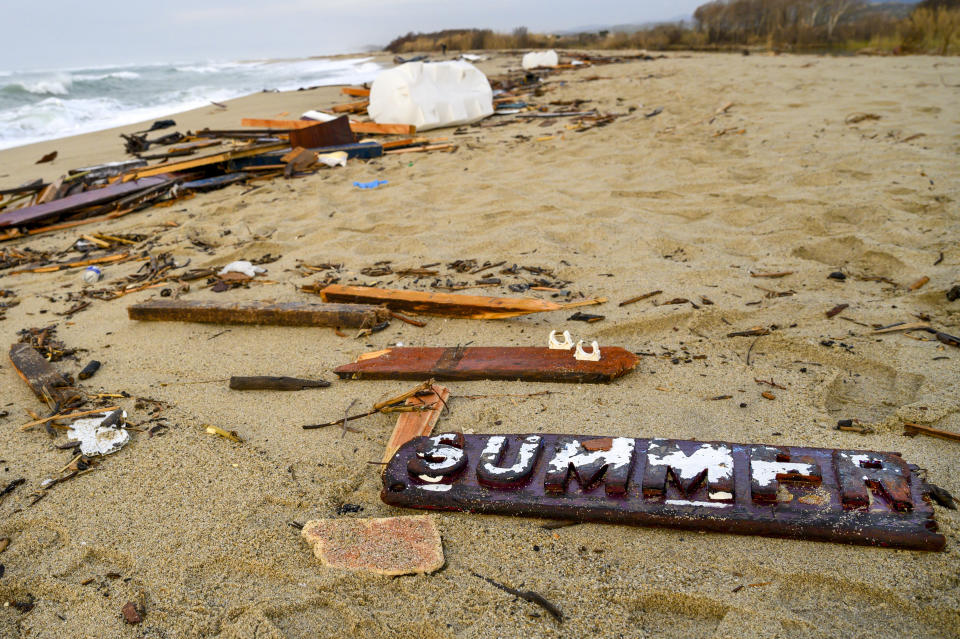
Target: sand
197,527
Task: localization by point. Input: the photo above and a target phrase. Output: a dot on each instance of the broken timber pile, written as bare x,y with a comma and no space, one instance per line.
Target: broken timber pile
445,304
260,313
532,364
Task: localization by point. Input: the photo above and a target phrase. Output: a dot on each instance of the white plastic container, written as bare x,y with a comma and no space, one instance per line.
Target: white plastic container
536,59
431,95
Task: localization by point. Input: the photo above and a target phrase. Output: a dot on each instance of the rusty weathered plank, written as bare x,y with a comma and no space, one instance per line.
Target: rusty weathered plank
42,378
489,362
444,304
260,313
849,496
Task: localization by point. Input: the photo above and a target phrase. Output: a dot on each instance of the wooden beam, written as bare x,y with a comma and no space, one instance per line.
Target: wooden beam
911,429
512,363
42,378
444,304
260,313
418,424
357,93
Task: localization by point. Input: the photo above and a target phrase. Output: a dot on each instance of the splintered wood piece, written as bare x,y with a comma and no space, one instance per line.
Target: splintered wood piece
445,304
499,362
351,107
260,313
266,382
42,378
386,546
410,425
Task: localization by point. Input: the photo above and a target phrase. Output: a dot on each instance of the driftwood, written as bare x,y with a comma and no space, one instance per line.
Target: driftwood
506,362
410,425
445,304
260,313
275,383
43,379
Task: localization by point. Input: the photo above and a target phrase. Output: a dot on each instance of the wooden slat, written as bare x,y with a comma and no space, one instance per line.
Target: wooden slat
259,313
444,304
498,363
357,127
419,424
357,93
421,149
383,129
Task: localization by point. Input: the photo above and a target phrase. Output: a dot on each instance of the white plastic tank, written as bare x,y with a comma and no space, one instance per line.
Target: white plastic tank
430,95
536,59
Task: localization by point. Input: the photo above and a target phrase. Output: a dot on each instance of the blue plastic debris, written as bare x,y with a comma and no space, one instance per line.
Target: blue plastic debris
370,185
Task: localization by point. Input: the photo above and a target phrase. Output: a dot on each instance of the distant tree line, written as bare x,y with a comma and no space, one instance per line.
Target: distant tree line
932,26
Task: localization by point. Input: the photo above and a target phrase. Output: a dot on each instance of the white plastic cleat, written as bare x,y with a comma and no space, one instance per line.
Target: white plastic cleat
556,344
593,356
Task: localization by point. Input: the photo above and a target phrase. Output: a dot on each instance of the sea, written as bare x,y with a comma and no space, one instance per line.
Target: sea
45,105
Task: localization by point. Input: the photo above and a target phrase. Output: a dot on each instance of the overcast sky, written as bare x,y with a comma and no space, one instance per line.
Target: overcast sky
41,34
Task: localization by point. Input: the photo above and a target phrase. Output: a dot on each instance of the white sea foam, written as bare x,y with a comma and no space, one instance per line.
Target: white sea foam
45,105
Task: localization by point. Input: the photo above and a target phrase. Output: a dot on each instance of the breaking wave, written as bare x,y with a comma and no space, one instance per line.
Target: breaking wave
45,105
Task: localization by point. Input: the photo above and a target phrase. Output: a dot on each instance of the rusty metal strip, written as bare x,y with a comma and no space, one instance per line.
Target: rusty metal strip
850,496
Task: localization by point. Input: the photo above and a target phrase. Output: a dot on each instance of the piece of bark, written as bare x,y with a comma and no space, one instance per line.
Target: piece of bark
410,425
386,546
266,382
130,613
43,379
444,304
260,313
533,364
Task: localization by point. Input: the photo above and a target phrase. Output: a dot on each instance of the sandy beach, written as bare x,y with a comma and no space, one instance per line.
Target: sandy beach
753,166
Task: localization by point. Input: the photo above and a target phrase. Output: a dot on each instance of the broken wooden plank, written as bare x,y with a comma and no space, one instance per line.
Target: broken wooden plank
266,382
534,364
206,160
849,496
419,424
383,129
422,149
351,107
71,203
385,546
260,313
42,378
357,93
911,429
323,134
283,126
444,304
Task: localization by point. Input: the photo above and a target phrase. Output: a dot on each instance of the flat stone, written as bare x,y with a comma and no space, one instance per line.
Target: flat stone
386,546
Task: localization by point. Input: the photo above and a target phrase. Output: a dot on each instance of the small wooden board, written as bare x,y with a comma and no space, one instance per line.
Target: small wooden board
410,425
260,313
42,378
444,304
531,364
